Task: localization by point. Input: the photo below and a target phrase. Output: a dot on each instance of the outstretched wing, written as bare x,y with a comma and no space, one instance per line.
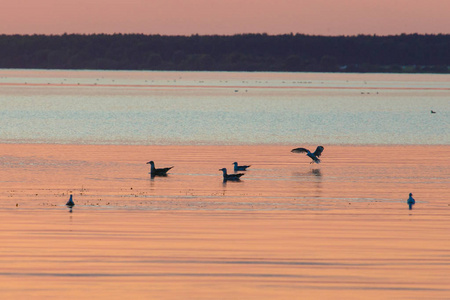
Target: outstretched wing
318,151
299,150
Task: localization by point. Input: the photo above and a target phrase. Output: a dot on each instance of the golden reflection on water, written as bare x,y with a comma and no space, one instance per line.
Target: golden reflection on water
288,230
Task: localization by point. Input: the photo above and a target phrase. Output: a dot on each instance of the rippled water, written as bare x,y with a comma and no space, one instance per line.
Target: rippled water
288,230
338,230
153,108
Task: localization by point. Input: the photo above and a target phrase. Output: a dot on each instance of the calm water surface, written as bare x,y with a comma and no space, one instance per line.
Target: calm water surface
288,230
154,108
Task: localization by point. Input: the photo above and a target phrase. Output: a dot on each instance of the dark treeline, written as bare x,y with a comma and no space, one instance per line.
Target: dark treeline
247,52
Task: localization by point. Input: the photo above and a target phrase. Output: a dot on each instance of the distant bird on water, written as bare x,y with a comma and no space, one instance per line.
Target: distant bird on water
314,156
240,168
411,201
157,172
232,177
70,203
433,112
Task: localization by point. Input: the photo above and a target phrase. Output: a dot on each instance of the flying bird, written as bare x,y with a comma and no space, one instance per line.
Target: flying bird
232,177
158,172
314,156
240,168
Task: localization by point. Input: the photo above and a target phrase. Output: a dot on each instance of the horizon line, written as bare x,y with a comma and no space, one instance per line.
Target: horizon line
228,35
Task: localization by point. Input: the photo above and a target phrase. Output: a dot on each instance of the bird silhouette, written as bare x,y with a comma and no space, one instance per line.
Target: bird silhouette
232,177
240,168
410,201
70,203
314,156
158,172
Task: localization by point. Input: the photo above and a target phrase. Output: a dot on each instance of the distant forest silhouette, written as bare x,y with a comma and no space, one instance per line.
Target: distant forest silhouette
406,53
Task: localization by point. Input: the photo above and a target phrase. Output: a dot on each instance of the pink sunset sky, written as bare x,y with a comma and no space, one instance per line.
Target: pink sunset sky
186,17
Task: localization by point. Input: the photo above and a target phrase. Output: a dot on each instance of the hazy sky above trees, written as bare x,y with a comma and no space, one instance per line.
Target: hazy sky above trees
204,17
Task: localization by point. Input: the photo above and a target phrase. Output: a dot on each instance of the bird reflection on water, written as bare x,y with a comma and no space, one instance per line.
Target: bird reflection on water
310,180
316,172
312,172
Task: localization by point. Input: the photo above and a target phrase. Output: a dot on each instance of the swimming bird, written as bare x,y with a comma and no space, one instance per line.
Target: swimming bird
411,201
157,172
70,203
240,168
433,112
314,156
232,177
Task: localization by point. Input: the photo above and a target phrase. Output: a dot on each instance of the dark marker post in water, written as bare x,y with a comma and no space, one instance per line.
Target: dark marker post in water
411,201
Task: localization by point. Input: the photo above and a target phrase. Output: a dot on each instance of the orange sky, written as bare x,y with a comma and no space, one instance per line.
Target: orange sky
186,17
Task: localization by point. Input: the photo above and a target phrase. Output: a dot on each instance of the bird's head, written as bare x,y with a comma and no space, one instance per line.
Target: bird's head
151,162
235,163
